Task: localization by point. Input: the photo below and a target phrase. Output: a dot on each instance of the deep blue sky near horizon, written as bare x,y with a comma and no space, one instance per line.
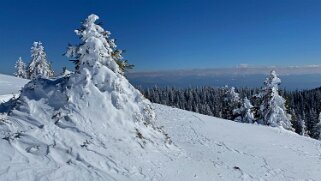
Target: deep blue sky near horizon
170,34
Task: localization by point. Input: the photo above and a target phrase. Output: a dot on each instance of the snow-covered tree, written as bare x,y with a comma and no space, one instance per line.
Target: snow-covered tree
247,111
233,104
20,69
110,56
273,108
318,127
39,66
302,127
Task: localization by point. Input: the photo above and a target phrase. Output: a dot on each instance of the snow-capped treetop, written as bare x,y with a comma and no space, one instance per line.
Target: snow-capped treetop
232,95
95,48
20,69
97,40
272,80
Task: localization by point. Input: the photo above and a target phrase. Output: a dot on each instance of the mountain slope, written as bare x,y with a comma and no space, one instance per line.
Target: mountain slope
218,149
10,84
207,148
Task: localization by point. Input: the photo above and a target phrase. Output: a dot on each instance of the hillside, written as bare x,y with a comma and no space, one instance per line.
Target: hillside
206,148
10,84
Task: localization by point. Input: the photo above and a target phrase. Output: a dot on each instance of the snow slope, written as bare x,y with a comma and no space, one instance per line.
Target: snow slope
10,84
217,149
206,148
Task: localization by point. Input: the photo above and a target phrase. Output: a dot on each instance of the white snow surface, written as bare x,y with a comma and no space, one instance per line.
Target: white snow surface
10,84
204,148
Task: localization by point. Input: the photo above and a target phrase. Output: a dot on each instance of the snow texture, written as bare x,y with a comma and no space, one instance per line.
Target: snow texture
207,148
10,84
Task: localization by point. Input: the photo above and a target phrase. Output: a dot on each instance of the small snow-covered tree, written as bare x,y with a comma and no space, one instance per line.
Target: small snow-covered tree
245,112
318,127
302,127
273,108
20,69
39,66
232,104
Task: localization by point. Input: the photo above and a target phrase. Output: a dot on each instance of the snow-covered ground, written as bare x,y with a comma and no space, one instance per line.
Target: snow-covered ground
207,148
217,149
10,84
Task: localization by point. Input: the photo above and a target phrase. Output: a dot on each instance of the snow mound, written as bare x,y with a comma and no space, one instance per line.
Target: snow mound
83,125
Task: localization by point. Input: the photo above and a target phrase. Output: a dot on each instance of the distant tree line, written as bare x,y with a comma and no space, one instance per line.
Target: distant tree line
298,111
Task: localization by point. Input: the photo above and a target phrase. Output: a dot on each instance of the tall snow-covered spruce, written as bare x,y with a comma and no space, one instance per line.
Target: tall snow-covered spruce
87,122
20,69
39,65
273,110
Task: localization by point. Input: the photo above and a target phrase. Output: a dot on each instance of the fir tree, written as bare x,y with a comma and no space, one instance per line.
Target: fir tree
39,66
113,60
233,104
303,128
247,111
20,69
318,128
273,108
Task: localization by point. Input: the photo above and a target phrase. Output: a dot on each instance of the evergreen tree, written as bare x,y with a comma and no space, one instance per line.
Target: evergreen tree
113,60
318,127
302,127
20,69
273,105
39,66
233,104
123,65
247,111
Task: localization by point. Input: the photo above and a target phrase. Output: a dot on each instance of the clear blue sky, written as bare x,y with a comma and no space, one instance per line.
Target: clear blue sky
170,34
